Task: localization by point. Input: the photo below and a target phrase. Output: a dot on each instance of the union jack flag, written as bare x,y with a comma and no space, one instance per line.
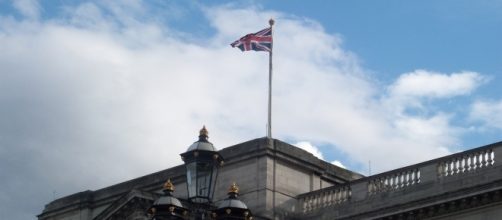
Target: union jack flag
259,41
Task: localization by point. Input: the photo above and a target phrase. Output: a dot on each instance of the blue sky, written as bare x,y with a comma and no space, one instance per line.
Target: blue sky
87,85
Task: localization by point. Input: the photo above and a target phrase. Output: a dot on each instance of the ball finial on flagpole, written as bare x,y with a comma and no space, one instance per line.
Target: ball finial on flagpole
271,22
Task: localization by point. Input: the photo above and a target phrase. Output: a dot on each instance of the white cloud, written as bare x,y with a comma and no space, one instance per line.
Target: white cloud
487,112
307,146
28,8
338,163
89,91
423,83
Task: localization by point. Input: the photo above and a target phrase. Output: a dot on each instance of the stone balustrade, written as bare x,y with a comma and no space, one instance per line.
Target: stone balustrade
467,162
433,171
325,197
393,181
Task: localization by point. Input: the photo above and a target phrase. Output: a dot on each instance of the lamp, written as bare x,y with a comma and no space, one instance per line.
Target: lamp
201,162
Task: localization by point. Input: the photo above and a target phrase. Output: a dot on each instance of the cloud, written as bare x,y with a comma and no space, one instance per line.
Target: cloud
28,8
423,83
102,94
487,112
310,148
338,163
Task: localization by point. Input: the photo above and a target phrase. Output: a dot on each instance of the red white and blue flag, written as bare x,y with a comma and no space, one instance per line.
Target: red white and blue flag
259,41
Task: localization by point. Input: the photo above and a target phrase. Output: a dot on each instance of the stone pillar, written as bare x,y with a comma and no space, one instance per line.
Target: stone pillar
497,152
428,173
359,190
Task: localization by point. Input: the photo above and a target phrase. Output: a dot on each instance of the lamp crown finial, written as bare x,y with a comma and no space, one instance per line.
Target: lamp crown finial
203,133
233,188
168,186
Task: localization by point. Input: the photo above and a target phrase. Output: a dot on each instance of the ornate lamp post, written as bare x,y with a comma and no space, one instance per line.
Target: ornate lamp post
167,206
232,208
202,162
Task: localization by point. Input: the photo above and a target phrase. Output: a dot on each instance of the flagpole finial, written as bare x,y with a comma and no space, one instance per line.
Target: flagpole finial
271,21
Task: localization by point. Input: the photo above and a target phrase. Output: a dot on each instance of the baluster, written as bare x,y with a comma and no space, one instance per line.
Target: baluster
332,197
322,195
325,198
483,158
471,161
404,179
478,163
370,187
342,195
394,181
412,177
312,208
335,192
490,157
307,205
417,176
397,179
407,178
460,166
448,168
311,203
329,193
385,184
339,196
317,202
454,164
407,181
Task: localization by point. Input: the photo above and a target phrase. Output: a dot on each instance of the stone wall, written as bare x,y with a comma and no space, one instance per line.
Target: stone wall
270,174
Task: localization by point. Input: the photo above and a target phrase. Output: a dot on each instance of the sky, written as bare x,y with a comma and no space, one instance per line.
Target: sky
93,93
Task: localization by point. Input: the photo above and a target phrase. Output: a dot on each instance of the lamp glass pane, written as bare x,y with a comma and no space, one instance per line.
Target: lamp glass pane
191,179
204,171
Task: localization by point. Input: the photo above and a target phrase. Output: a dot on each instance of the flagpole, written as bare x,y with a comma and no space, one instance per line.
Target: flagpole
269,124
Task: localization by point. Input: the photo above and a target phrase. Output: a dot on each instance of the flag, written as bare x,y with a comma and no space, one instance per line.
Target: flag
259,41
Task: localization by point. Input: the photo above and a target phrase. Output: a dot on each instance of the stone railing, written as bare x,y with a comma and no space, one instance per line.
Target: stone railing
393,181
466,162
325,197
471,161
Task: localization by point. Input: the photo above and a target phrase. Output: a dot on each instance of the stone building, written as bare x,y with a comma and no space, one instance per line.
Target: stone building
280,181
